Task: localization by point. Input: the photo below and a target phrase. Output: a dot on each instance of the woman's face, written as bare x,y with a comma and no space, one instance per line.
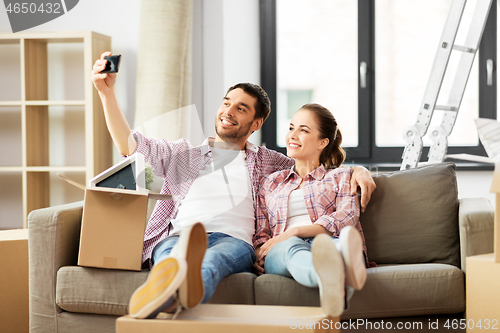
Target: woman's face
303,141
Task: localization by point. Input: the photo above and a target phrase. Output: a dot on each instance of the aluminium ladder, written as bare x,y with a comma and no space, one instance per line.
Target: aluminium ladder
439,134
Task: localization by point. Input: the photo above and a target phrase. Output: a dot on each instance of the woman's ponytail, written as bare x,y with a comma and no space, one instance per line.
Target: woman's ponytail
338,154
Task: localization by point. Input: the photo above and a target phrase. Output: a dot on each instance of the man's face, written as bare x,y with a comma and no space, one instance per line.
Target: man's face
235,119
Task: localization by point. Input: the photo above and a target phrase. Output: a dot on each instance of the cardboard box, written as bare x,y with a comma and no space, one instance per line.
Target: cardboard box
483,293
14,292
495,187
483,271
113,225
230,318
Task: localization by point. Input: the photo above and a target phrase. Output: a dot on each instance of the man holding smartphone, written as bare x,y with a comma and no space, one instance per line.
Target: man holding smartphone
186,271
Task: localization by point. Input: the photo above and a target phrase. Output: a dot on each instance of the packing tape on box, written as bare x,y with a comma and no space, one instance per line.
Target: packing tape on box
116,196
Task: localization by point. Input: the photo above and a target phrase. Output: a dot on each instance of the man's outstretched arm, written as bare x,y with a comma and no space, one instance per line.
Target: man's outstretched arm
115,119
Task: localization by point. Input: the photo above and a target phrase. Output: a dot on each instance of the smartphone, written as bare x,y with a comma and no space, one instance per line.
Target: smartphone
113,64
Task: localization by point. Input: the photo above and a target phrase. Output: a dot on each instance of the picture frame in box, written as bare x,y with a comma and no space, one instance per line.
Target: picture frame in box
128,174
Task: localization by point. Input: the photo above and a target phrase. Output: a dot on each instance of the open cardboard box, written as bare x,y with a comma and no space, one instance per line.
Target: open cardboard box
113,225
221,318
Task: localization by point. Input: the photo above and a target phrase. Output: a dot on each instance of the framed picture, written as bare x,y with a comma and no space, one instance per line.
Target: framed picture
128,174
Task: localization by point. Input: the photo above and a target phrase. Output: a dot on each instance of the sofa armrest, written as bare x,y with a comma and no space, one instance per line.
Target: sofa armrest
475,219
53,241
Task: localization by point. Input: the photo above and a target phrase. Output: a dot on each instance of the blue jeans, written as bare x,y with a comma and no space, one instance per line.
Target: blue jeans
293,258
225,255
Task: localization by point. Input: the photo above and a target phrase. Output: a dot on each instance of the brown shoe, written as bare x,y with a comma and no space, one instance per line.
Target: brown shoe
157,293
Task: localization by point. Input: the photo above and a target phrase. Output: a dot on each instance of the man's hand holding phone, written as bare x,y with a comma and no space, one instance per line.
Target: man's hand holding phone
104,78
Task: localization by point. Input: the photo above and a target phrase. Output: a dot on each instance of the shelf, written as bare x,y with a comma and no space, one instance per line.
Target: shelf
66,69
54,71
11,103
56,169
9,169
66,135
47,103
11,200
56,103
51,118
47,189
63,193
10,69
54,37
55,136
11,143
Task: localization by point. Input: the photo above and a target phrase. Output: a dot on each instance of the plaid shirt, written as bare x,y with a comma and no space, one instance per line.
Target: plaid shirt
179,163
327,195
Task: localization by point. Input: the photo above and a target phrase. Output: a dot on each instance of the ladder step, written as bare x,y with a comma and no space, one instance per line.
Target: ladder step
464,48
446,108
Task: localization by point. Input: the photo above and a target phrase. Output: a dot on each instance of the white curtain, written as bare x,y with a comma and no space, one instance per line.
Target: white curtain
163,87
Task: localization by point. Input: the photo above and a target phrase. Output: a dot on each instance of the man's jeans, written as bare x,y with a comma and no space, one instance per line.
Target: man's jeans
225,255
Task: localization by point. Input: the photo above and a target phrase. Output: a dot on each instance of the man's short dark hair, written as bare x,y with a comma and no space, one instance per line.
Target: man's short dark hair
263,104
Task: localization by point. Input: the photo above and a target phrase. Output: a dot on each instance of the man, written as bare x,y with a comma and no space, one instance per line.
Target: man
218,194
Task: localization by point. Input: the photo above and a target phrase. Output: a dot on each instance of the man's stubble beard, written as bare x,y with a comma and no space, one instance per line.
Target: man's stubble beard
233,136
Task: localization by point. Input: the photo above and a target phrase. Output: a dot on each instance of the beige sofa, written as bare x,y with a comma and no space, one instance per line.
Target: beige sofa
416,230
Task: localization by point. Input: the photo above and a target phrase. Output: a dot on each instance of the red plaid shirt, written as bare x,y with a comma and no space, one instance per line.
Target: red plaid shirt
179,163
327,195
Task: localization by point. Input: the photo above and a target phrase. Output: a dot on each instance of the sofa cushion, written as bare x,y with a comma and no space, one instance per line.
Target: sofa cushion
390,291
106,291
94,290
412,217
409,290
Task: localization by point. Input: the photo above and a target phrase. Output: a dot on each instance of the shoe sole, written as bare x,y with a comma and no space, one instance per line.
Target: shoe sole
193,244
156,293
352,251
329,266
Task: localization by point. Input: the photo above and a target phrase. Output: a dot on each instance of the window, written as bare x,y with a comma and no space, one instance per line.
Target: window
317,51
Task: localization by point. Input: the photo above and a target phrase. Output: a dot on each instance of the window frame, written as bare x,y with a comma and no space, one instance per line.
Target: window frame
367,152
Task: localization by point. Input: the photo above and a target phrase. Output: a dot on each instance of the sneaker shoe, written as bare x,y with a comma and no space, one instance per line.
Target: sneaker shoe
329,267
157,293
351,248
191,248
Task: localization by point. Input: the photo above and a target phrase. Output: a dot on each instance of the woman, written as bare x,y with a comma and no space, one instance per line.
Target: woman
307,220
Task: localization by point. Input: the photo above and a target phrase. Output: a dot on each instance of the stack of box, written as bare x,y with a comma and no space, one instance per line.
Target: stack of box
483,278
483,271
14,278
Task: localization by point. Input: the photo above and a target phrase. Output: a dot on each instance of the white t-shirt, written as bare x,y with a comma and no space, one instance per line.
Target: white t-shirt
220,197
297,211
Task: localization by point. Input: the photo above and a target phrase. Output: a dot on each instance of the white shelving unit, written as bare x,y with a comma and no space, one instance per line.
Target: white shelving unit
53,123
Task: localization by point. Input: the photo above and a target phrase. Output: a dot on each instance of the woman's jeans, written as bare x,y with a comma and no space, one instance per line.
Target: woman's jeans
293,258
225,255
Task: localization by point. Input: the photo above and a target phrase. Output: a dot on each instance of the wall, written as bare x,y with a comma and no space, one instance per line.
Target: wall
475,184
230,53
118,19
